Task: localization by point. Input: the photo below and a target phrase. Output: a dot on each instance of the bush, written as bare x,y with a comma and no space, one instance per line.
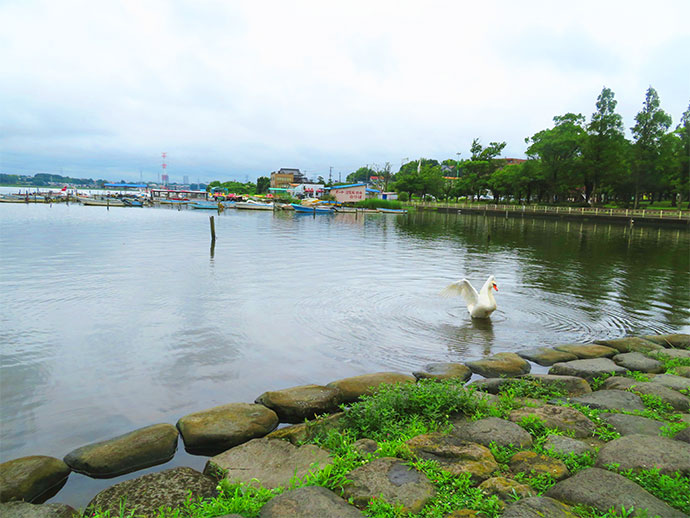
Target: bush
375,203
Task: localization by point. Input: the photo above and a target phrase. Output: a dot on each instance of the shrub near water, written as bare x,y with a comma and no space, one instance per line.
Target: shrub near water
378,204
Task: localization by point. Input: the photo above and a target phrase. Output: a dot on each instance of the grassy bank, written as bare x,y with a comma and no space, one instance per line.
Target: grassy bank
397,413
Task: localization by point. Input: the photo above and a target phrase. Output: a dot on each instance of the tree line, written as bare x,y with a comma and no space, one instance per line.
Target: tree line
575,161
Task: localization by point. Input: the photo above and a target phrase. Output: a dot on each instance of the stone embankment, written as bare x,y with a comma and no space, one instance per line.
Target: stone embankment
245,446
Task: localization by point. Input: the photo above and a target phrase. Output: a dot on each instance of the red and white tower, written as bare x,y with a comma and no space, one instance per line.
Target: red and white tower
164,177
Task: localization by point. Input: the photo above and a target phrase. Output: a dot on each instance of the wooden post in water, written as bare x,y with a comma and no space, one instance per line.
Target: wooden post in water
213,229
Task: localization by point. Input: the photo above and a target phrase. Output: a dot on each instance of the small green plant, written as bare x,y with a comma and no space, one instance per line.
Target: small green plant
540,483
585,511
670,363
598,382
533,388
602,429
671,429
673,489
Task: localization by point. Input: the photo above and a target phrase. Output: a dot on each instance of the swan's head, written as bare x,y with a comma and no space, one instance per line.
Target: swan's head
492,283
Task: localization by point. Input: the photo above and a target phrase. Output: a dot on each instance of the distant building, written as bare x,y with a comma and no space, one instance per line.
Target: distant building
282,178
185,180
307,190
512,161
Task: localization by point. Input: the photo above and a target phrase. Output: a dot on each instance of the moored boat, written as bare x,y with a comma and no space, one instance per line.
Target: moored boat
208,205
313,209
102,202
253,205
392,211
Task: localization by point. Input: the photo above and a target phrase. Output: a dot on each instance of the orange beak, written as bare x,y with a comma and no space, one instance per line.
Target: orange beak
495,287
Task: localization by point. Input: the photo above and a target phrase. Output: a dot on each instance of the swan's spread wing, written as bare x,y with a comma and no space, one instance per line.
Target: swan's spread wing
462,288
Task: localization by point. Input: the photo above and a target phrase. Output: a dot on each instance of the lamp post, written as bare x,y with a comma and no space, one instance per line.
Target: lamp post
457,170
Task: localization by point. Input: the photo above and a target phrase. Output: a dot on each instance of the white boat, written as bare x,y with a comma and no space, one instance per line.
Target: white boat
253,205
102,202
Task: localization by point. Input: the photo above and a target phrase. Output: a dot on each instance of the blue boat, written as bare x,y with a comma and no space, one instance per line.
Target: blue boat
209,205
302,209
132,202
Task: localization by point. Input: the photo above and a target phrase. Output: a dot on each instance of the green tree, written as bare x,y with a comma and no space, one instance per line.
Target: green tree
360,175
262,184
681,180
421,177
604,149
560,149
650,126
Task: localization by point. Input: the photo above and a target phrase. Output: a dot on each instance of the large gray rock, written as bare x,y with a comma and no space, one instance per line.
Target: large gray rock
546,356
268,462
683,435
616,400
145,495
587,351
626,424
505,489
630,344
294,405
672,382
538,464
638,362
455,455
646,452
351,389
683,370
27,510
142,448
674,398
309,502
220,428
490,385
444,371
680,341
561,418
587,369
389,478
603,490
492,429
33,479
501,364
538,507
566,445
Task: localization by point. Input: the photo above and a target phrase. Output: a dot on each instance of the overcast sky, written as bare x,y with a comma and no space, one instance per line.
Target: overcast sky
235,89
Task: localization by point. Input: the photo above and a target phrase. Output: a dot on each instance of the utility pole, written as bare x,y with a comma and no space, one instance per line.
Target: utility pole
457,170
330,174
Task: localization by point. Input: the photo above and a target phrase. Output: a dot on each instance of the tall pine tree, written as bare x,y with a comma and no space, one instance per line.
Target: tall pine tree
651,125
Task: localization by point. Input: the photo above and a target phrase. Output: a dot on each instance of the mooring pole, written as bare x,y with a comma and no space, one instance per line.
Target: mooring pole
213,229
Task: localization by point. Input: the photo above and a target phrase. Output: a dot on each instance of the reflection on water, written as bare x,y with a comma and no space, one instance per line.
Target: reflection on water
114,320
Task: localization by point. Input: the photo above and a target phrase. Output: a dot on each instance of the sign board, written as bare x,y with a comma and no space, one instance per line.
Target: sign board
350,194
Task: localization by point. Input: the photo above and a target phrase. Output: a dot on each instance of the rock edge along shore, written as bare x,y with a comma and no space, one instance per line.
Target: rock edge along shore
236,426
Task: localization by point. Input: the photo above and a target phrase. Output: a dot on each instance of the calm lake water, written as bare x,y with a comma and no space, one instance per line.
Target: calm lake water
112,320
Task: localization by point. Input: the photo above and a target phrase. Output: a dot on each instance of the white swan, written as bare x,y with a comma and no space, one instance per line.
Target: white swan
480,305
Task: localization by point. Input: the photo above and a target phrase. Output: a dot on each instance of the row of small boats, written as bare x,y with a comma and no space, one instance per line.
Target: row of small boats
309,207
